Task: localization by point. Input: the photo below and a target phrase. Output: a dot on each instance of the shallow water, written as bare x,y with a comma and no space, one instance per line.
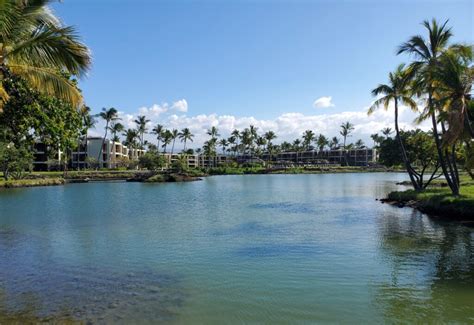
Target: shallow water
259,248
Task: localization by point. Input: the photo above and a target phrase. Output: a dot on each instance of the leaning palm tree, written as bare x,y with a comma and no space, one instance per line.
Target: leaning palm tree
88,121
38,48
397,91
158,131
109,115
141,122
427,53
185,135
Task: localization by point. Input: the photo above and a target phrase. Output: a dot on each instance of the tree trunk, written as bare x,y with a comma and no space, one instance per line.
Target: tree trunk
454,188
103,142
408,167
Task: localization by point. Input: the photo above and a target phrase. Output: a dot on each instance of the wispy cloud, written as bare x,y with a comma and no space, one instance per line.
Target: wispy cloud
323,102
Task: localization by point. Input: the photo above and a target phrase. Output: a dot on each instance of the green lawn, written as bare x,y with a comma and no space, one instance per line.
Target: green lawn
439,200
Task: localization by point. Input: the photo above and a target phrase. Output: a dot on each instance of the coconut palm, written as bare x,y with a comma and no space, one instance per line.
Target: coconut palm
158,131
334,143
37,47
141,122
308,138
167,137
359,144
88,121
213,132
131,136
387,131
109,115
174,136
322,142
185,135
397,91
232,144
427,53
346,130
269,136
223,143
115,128
376,138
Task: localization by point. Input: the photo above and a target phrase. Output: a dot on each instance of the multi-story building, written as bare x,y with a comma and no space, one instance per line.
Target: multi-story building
111,156
45,157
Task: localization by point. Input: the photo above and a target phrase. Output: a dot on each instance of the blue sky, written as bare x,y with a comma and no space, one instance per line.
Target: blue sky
260,59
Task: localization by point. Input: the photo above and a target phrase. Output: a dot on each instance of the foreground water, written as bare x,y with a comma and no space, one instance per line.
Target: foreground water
266,248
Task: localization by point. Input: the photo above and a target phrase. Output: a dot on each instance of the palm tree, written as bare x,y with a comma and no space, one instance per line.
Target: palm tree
213,132
334,143
260,142
116,127
223,143
141,122
322,141
174,135
232,140
246,140
359,144
38,48
346,130
131,136
88,121
308,137
387,131
397,91
427,53
109,115
376,138
269,136
185,135
158,131
167,137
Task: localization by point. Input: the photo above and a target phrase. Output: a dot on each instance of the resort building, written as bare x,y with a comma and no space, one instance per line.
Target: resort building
112,155
45,158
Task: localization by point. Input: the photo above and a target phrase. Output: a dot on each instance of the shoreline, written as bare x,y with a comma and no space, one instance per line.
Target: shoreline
57,178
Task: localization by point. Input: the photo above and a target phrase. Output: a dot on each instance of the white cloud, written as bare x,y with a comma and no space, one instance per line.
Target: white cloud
180,105
323,102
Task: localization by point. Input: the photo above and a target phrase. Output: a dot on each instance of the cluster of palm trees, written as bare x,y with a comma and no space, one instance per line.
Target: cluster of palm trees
439,78
250,142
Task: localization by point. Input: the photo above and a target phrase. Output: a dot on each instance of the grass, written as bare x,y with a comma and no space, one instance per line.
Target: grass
438,200
12,183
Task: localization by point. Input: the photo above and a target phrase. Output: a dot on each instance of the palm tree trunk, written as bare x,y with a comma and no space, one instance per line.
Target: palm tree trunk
184,144
454,188
103,141
172,147
416,185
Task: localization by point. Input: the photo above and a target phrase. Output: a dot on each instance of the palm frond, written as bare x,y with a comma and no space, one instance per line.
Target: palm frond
50,82
52,47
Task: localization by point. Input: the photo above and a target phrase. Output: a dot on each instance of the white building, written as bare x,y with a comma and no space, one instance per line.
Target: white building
112,155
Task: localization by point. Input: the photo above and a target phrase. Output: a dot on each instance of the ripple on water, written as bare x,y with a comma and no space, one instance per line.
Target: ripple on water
286,207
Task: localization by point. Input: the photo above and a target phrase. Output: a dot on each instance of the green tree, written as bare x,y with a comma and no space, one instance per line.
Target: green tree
116,128
321,142
346,130
185,135
14,161
38,48
308,138
151,160
427,53
174,135
141,122
158,131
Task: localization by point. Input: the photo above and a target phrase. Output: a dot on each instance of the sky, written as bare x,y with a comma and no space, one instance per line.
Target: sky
282,65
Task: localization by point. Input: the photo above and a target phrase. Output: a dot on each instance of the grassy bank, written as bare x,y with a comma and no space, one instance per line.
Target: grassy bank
14,183
438,201
292,170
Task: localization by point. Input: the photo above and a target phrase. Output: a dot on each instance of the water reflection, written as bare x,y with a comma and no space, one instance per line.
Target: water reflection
431,270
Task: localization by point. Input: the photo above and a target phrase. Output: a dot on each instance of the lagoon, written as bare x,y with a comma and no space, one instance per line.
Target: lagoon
231,249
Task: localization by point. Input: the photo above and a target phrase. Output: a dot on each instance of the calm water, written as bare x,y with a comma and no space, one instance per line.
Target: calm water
231,249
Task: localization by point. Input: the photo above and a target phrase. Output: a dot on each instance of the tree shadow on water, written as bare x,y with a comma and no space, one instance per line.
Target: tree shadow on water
431,270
